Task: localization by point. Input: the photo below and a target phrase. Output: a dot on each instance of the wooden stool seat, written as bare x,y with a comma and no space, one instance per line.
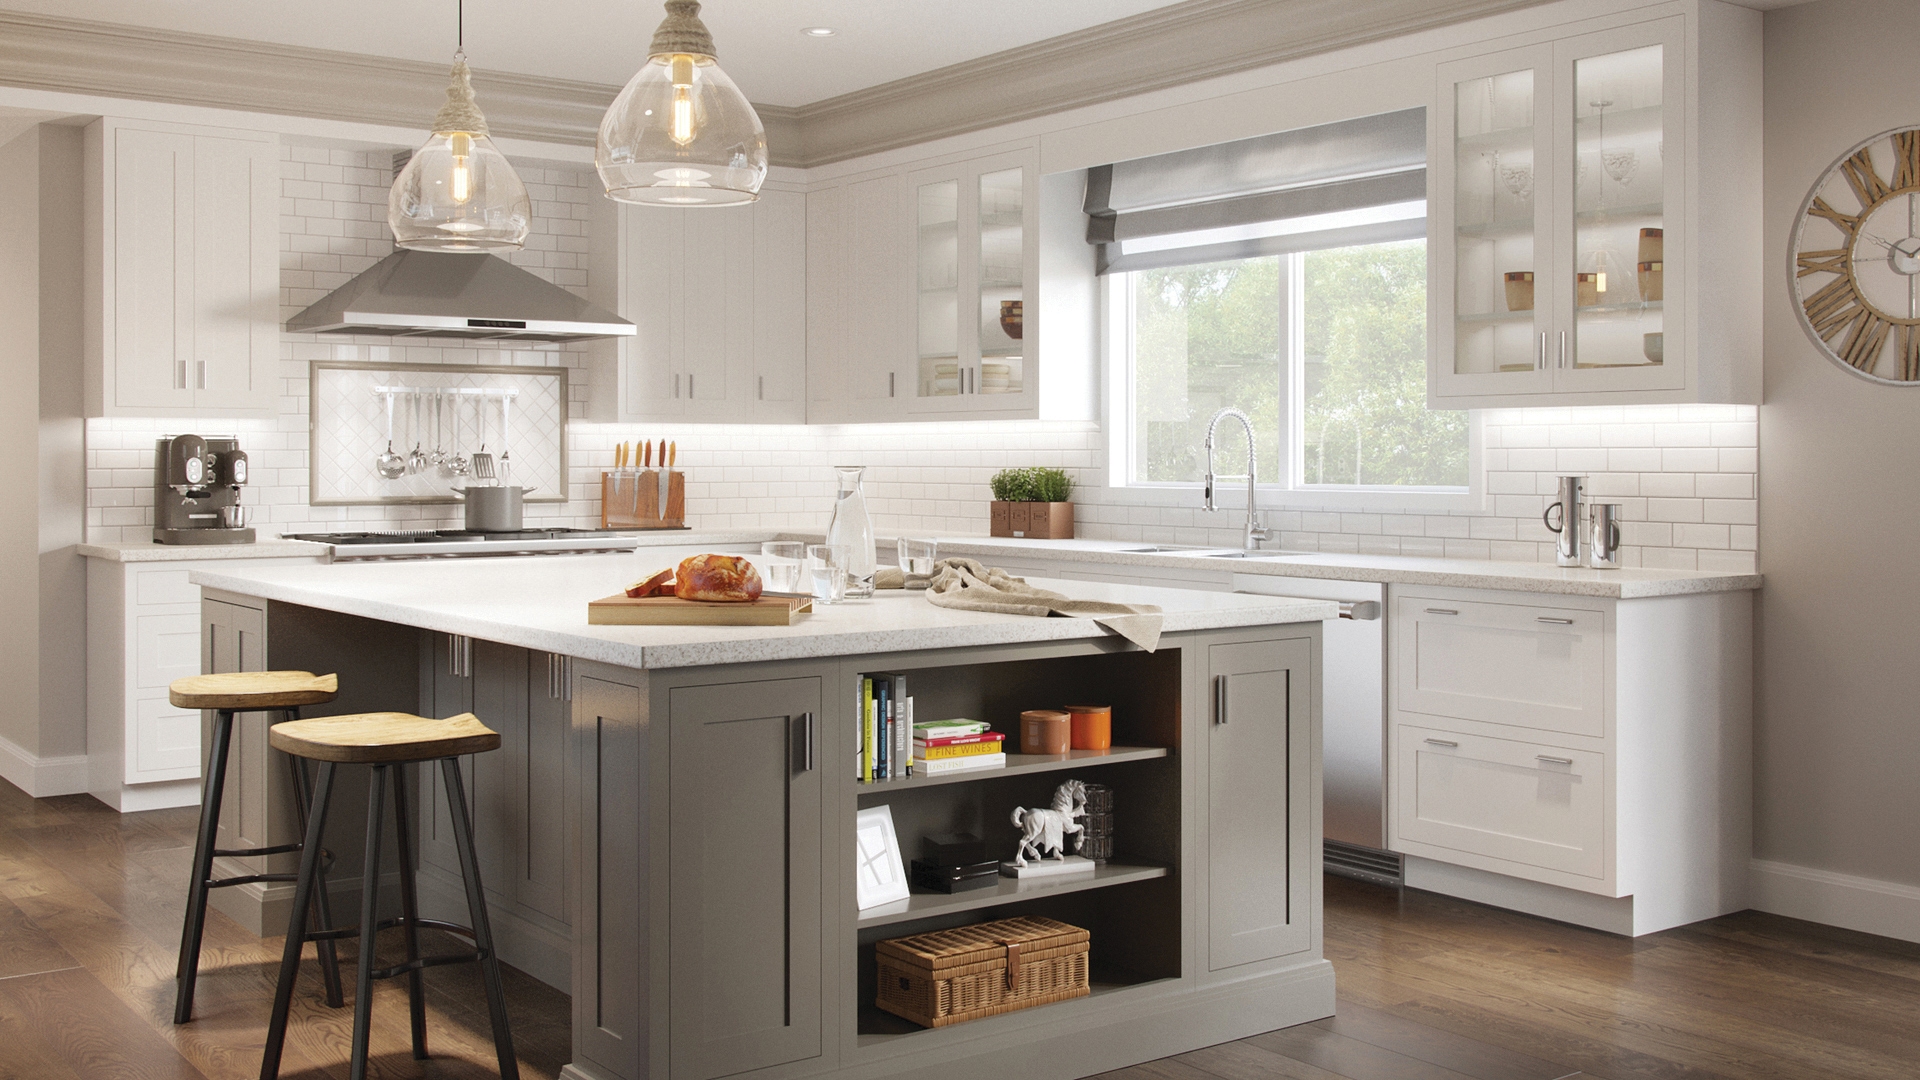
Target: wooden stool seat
251,691
383,738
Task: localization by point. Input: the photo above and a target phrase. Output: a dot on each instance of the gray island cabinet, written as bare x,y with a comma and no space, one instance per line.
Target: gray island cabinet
668,828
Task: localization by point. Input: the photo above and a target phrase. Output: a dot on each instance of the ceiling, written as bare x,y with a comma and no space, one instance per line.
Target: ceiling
759,41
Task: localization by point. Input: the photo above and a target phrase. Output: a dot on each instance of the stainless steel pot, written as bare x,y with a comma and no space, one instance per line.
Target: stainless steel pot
494,509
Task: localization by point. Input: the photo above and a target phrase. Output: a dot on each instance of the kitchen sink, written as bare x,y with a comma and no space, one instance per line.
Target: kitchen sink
1267,553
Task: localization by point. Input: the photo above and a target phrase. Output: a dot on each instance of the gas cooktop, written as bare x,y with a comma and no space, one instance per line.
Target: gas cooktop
430,543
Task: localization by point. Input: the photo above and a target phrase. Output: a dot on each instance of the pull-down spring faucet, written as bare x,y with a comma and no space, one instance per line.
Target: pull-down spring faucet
1256,532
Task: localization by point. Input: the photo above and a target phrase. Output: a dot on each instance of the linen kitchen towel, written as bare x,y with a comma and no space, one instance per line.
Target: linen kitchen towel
967,585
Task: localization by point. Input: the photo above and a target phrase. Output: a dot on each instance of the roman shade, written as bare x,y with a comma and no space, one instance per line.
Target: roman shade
1350,182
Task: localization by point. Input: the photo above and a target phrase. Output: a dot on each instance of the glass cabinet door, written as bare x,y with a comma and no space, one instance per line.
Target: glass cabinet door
1003,284
1618,163
1492,224
937,288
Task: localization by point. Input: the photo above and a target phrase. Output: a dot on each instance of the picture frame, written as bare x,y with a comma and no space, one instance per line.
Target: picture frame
880,876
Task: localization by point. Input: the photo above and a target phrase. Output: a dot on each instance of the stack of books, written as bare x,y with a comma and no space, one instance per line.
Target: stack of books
886,717
946,746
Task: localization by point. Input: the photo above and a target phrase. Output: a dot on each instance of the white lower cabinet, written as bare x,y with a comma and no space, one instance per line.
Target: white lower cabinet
1584,758
143,632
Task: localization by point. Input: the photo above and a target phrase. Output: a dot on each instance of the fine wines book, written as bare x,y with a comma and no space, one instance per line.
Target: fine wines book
923,767
944,753
958,740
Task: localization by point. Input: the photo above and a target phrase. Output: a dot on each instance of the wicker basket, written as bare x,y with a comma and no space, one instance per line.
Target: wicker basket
969,972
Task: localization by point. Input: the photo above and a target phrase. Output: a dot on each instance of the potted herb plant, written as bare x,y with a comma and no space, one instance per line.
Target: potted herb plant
1032,503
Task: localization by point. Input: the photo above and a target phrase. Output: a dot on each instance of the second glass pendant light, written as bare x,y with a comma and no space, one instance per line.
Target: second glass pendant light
681,133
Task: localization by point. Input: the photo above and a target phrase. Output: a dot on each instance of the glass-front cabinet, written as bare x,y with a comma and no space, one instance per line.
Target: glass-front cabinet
1556,208
975,267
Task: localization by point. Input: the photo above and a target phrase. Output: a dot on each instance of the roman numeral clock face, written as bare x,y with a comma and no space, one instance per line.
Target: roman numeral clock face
1856,251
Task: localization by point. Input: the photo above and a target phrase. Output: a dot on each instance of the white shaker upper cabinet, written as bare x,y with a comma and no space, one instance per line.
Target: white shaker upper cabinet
182,286
717,297
1580,242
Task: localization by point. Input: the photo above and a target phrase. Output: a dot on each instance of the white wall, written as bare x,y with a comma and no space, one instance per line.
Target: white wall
1838,737
19,438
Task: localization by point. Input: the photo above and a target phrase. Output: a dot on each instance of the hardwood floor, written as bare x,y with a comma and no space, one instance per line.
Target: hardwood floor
1430,988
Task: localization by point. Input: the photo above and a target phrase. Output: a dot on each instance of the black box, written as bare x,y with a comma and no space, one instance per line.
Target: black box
952,879
953,849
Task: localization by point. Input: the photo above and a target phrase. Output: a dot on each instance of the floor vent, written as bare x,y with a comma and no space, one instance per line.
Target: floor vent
1364,863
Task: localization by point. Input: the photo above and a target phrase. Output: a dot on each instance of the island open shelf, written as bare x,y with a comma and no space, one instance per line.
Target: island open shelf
1028,763
930,905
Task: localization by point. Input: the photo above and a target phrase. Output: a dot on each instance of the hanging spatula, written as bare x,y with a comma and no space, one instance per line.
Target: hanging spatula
483,461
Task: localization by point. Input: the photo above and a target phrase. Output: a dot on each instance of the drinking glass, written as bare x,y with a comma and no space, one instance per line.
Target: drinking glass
916,556
780,564
827,568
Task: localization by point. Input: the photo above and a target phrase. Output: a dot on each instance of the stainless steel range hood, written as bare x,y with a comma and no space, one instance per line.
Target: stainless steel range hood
438,294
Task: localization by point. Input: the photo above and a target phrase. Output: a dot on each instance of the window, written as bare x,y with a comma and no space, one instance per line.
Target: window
1325,350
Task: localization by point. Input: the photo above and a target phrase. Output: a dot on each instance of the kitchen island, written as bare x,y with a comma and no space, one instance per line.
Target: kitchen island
668,828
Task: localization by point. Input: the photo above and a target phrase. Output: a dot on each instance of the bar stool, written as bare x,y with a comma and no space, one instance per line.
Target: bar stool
383,740
247,691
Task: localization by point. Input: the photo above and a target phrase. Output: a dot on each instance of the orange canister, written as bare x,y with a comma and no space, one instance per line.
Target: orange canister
1044,731
1092,726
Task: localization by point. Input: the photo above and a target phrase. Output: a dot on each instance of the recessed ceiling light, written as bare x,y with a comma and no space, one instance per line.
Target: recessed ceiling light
818,31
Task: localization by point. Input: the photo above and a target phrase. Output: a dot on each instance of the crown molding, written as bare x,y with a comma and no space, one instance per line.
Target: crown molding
1183,43
1166,47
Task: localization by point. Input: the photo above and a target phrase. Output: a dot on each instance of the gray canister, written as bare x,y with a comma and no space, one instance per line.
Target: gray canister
1603,552
1566,522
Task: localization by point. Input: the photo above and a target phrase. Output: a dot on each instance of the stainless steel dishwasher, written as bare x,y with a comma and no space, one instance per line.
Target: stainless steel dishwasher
1353,719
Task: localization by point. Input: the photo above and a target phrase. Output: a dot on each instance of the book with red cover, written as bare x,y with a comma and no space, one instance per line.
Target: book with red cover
961,740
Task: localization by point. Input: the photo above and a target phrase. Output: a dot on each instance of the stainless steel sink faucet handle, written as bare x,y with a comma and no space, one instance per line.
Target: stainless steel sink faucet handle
1256,532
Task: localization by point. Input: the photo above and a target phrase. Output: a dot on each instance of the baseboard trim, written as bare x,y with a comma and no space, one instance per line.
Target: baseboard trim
1870,906
1611,914
41,777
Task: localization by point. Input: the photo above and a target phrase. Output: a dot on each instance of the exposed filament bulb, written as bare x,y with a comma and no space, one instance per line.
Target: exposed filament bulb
461,144
682,128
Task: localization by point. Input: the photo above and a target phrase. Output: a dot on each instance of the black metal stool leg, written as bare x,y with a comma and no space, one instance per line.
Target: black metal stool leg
212,787
477,909
369,924
302,897
410,909
322,907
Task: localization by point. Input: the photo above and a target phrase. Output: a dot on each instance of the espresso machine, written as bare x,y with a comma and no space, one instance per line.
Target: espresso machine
196,491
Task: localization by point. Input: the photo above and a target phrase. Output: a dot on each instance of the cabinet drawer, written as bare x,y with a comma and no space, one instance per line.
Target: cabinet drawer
1520,802
166,740
1540,668
155,587
166,647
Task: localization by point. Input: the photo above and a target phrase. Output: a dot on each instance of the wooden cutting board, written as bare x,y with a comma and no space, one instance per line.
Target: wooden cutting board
623,610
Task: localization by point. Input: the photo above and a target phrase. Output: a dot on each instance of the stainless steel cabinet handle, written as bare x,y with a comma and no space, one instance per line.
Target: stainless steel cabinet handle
689,384
459,655
889,384
180,375
1554,760
202,381
1442,611
1540,362
806,742
1220,700
760,390
1563,348
1444,742
1361,610
1554,621
676,385
559,677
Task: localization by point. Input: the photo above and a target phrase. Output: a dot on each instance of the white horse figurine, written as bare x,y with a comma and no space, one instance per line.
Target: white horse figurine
1044,832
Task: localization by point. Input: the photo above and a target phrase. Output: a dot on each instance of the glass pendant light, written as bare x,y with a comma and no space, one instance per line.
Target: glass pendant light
681,134
458,193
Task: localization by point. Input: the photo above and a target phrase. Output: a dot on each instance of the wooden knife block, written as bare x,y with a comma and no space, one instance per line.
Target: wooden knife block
631,500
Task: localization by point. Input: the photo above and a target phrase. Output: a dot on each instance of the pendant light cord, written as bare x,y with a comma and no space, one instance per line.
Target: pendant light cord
460,27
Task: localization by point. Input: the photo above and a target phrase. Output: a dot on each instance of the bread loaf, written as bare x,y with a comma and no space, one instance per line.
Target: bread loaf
721,578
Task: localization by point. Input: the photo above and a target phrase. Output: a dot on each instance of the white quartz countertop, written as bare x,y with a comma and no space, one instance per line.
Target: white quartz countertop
1624,583
541,603
277,548
148,551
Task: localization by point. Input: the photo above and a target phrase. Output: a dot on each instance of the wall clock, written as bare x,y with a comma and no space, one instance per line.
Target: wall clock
1856,259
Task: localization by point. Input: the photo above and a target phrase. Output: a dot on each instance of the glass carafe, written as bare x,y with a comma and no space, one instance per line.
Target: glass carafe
852,528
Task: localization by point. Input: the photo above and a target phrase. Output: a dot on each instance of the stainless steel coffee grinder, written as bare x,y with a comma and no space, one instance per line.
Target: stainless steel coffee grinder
1562,516
196,491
